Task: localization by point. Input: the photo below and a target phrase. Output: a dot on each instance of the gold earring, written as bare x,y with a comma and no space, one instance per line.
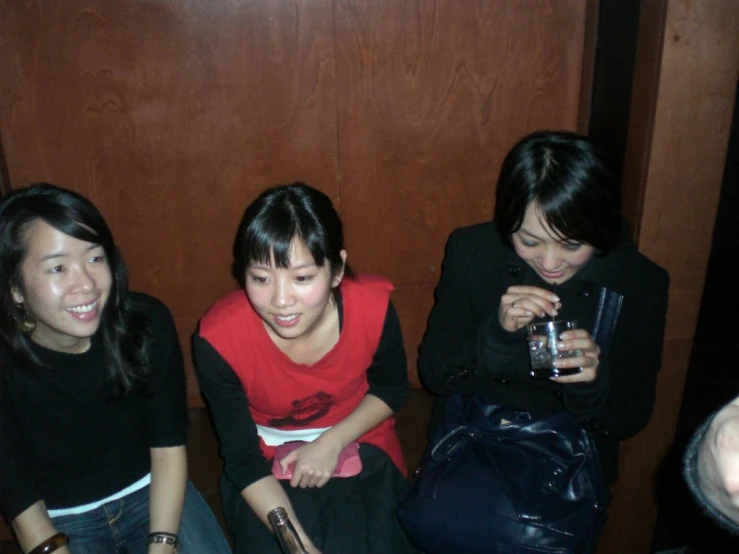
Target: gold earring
25,320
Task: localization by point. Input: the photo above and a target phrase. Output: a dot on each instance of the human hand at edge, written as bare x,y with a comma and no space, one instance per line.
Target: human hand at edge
718,462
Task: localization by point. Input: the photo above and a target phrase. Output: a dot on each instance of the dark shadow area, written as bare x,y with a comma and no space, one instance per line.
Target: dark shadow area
613,75
713,376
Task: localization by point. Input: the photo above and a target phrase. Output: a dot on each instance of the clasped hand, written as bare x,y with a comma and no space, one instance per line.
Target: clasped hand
314,463
521,304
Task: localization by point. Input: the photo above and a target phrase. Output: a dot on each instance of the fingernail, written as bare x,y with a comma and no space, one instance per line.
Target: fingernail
555,298
554,311
560,345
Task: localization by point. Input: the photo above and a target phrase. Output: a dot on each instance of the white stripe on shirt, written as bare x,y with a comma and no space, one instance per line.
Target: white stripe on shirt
276,437
138,485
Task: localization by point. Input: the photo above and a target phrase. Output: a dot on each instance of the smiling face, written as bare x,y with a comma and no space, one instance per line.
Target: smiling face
292,301
555,259
65,284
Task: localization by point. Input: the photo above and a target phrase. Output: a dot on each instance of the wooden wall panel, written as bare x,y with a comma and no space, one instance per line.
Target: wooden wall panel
675,156
171,116
431,95
413,304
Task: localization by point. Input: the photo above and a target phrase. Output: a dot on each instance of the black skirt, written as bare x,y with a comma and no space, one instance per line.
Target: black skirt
354,514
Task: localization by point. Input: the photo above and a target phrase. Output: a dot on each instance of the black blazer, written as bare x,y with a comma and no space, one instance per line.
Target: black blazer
466,350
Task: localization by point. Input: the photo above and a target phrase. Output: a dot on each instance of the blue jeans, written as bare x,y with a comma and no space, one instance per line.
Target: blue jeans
122,527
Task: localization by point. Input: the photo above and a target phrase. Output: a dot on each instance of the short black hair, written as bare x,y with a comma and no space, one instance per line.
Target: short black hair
571,181
281,214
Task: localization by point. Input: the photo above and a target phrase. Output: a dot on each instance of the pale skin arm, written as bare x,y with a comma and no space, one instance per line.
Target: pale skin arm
265,495
718,462
166,493
521,304
33,526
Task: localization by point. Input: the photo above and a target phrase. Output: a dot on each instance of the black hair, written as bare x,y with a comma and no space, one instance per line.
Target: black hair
570,180
281,214
122,326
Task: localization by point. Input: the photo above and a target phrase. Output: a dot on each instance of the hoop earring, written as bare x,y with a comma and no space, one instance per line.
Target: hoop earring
25,319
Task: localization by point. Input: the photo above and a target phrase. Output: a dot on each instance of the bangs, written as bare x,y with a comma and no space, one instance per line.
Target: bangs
271,241
553,210
576,214
76,219
77,230
282,217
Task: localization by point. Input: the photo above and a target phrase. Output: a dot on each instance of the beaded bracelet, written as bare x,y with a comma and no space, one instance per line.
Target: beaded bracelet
51,544
164,538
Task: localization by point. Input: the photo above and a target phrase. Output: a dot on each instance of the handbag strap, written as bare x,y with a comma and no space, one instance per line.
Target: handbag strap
606,316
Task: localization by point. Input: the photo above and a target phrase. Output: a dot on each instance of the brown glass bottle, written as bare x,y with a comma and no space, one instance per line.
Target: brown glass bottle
288,538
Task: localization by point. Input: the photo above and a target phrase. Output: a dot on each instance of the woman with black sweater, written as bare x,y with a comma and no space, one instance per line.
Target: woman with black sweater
93,414
557,224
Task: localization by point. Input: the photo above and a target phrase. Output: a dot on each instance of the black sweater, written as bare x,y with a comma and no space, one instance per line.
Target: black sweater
465,349
64,441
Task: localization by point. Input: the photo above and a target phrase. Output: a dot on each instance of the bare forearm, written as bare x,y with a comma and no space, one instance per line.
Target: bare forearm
33,526
265,495
368,414
166,493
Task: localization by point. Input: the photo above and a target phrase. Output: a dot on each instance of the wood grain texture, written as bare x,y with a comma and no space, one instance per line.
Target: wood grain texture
431,95
682,167
413,304
171,117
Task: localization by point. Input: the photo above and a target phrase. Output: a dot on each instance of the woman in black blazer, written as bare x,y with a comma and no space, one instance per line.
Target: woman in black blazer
556,222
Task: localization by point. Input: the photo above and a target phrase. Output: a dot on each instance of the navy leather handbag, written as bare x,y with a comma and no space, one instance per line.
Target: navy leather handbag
496,479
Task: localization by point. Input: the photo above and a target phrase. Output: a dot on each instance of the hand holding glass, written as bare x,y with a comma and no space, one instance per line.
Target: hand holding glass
543,338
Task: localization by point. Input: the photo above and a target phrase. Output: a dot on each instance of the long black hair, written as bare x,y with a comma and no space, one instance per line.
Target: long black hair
570,180
281,214
122,326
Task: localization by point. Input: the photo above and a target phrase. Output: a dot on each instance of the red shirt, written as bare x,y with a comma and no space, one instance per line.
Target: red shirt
286,395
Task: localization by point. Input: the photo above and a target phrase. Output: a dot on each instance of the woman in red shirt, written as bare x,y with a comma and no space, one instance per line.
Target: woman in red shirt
305,351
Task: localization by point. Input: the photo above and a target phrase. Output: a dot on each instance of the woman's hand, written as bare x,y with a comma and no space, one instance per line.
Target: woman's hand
520,305
578,339
314,463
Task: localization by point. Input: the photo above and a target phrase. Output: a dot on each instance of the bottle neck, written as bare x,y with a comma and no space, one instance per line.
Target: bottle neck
287,537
